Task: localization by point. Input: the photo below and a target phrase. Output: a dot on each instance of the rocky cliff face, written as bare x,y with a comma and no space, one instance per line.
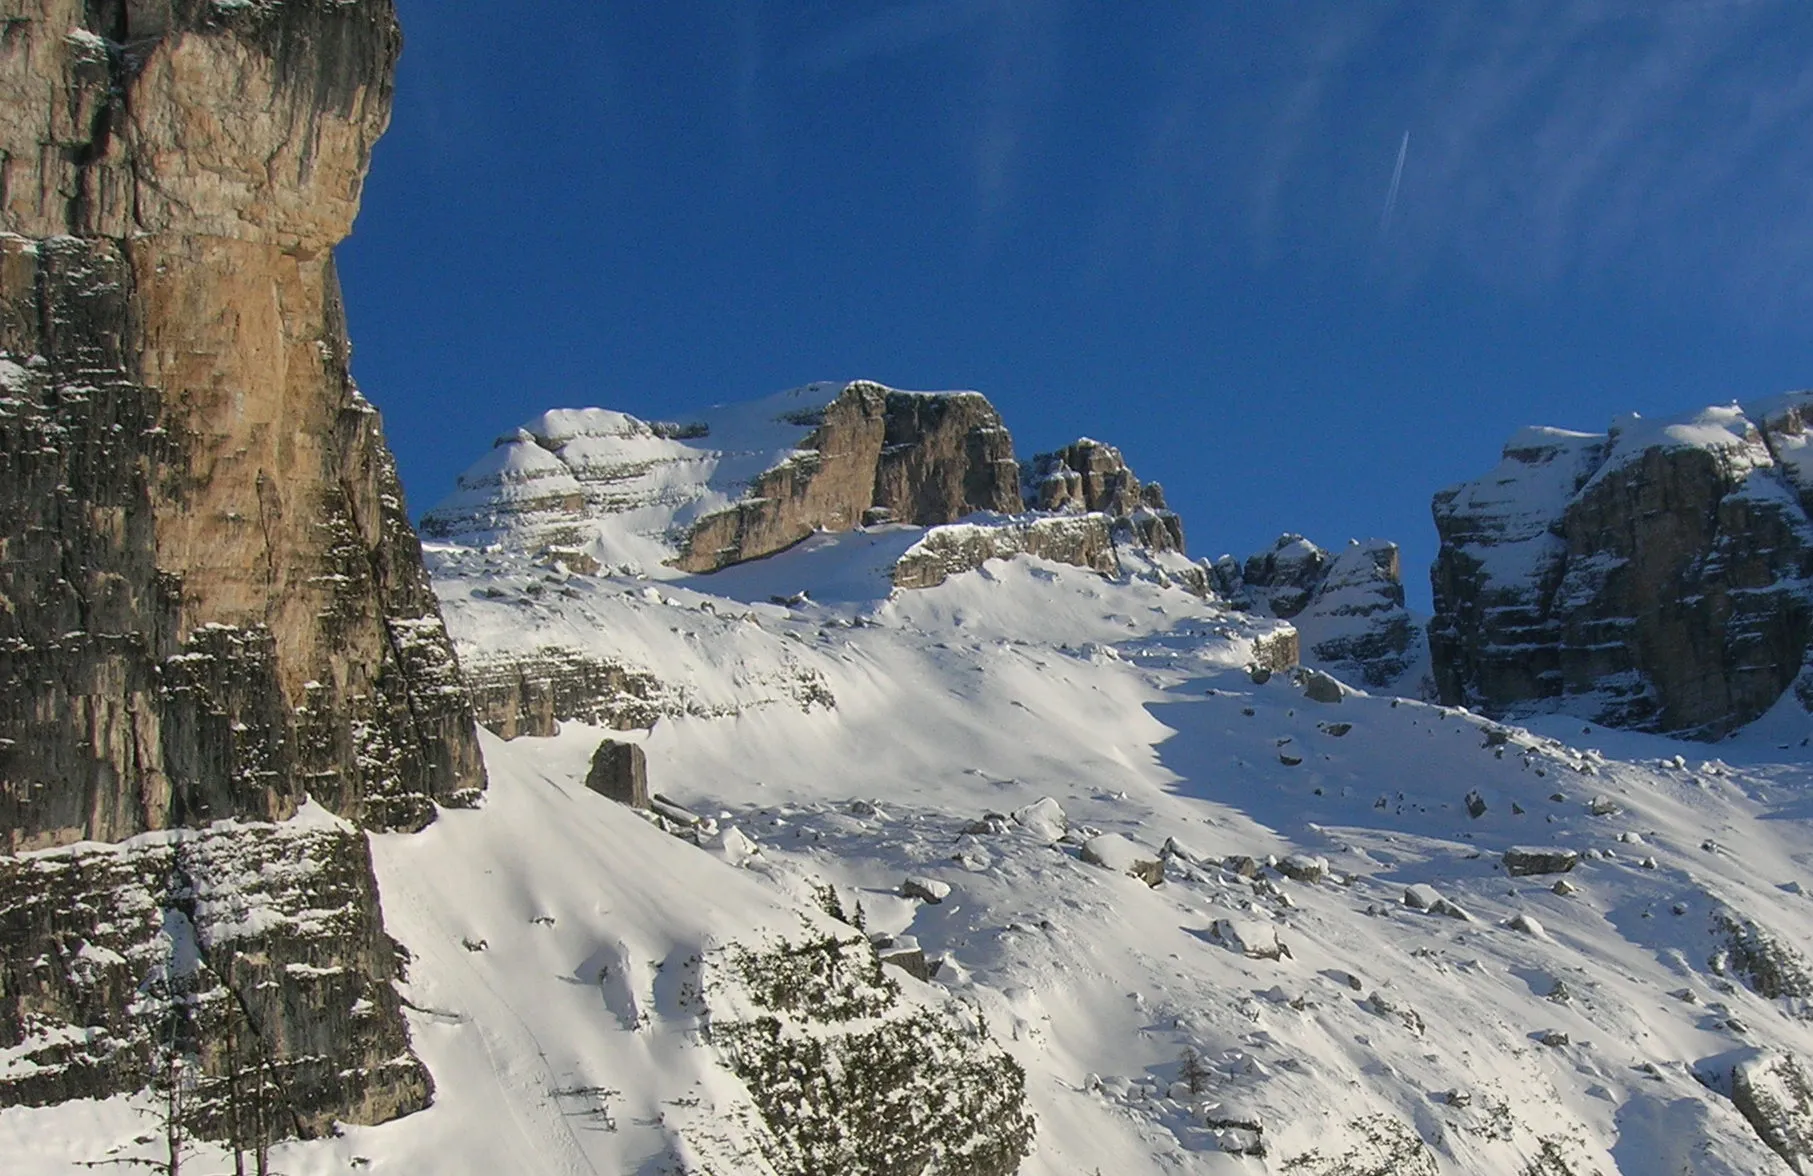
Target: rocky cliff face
742,482
1348,607
1653,577
1085,541
211,601
1089,476
874,454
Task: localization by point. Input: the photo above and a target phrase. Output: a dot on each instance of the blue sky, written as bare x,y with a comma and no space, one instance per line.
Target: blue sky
1169,226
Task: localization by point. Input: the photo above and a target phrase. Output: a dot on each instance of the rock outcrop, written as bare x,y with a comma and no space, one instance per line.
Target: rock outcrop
1088,476
743,482
256,951
1348,607
1773,1091
1085,541
1652,577
211,601
533,693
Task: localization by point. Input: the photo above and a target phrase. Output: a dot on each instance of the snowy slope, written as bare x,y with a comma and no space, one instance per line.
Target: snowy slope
1532,1033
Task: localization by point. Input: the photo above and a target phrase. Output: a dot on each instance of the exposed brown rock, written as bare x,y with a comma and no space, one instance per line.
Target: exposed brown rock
944,456
925,459
211,602
620,771
180,426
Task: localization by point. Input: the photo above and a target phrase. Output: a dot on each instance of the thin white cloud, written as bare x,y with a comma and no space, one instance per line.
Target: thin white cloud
1555,140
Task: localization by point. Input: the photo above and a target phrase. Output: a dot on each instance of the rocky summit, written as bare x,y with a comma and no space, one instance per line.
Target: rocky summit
212,606
1347,606
739,482
1654,576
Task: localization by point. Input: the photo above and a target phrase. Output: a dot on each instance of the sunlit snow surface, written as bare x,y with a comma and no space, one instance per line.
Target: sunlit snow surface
562,1048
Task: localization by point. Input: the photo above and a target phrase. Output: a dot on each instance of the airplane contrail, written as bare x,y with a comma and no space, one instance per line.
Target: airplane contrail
1397,180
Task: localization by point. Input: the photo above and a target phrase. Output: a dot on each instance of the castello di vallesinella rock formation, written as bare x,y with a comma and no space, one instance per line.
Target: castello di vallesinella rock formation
212,604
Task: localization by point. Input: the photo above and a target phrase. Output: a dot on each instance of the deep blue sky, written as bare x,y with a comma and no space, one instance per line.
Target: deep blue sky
1161,225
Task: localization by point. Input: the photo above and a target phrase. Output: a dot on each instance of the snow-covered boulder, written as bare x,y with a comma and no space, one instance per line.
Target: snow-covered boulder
1254,938
1111,851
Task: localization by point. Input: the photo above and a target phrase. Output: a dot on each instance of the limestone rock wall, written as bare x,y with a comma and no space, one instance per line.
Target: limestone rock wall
184,451
534,693
827,486
876,453
1090,476
256,950
944,457
1654,577
211,602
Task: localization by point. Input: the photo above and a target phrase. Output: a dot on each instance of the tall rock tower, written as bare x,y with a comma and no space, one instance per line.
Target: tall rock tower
211,602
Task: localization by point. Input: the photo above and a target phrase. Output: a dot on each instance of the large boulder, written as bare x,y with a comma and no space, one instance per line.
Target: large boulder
1522,861
1651,577
620,771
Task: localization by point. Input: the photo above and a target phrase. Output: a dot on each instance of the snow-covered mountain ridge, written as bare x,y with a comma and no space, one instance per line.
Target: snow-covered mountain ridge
1339,973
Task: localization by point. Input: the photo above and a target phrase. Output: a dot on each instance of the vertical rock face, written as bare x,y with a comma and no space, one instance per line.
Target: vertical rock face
1089,476
906,457
1347,606
211,602
944,457
1653,577
828,485
214,604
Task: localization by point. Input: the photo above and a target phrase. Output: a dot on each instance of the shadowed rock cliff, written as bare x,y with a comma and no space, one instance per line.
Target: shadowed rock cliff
1347,605
211,602
1653,577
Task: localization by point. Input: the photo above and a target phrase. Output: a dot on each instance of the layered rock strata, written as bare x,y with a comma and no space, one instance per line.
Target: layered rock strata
875,455
743,482
1085,541
1348,606
1089,476
534,693
211,602
256,953
1655,576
